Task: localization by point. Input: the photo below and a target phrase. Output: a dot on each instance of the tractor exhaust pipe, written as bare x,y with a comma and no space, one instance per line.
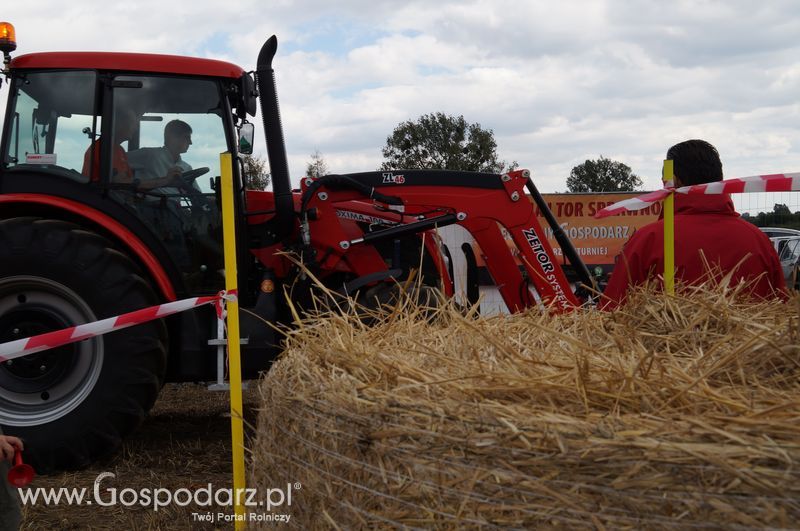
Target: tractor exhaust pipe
281,225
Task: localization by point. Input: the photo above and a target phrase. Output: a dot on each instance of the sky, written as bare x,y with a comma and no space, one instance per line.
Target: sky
557,82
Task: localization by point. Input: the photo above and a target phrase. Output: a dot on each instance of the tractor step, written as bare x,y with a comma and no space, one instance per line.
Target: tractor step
220,342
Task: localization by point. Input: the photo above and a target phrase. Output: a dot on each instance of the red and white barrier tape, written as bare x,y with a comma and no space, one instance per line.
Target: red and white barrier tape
31,345
779,182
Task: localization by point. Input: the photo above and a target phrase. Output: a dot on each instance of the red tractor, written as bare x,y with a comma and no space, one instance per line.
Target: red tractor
96,221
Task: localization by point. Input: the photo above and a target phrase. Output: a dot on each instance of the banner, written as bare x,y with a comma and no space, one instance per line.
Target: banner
598,241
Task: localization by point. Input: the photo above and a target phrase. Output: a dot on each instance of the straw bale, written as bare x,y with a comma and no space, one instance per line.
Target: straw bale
671,412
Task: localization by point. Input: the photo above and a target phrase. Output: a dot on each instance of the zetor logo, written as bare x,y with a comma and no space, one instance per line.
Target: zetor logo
390,178
538,250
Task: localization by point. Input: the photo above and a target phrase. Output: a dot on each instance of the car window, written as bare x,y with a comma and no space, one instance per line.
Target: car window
789,249
794,250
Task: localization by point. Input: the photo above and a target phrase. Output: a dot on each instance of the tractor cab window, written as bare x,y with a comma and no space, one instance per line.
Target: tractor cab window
170,132
52,122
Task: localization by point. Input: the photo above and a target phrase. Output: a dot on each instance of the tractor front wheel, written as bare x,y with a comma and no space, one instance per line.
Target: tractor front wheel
73,404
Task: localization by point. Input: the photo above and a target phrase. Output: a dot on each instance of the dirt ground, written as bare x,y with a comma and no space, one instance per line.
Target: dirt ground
185,443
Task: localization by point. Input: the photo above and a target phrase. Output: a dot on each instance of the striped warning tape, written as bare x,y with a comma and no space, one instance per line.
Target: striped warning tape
31,345
778,182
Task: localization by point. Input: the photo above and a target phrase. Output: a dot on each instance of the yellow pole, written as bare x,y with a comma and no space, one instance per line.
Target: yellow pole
668,177
234,352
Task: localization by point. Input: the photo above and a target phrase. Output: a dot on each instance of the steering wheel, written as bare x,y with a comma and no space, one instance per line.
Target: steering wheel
191,175
185,183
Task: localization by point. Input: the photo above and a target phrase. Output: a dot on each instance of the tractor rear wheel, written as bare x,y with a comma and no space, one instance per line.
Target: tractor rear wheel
73,404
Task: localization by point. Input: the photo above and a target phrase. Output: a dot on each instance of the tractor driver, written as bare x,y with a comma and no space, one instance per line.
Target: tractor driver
159,168
158,172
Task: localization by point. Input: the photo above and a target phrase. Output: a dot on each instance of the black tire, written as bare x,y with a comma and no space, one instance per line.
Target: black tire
380,299
73,404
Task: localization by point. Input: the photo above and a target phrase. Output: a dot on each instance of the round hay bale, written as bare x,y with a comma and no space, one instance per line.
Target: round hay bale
672,412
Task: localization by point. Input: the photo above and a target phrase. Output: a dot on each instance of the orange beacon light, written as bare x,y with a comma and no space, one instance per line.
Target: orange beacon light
8,43
8,38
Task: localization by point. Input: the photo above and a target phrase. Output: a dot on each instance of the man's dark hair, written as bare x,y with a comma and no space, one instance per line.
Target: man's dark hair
695,162
176,128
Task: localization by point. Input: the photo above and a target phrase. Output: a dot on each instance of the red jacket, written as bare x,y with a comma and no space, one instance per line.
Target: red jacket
706,223
120,166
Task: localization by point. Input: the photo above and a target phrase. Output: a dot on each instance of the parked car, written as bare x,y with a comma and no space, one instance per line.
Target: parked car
773,232
790,260
779,235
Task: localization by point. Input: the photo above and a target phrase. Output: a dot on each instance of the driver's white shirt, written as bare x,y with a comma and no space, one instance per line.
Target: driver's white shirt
153,163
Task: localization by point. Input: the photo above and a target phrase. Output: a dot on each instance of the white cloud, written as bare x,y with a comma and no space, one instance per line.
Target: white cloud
558,82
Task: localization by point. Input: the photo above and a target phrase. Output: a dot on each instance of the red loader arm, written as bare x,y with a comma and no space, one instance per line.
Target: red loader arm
413,201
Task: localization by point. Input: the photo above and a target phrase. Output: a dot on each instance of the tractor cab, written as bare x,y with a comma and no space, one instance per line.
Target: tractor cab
113,132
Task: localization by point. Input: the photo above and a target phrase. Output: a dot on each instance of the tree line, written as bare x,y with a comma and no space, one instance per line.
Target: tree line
781,216
443,142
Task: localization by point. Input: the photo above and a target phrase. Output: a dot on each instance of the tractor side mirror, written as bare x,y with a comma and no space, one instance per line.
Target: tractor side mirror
246,134
249,97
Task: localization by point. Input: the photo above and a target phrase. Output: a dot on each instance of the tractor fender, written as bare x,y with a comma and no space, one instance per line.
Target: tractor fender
133,244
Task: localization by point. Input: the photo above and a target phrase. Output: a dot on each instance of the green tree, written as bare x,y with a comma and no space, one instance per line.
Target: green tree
443,142
602,175
781,209
317,167
256,176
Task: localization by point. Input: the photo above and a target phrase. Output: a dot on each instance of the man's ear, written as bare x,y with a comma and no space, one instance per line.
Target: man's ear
676,181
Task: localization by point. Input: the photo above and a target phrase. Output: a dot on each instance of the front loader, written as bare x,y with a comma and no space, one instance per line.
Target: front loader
84,237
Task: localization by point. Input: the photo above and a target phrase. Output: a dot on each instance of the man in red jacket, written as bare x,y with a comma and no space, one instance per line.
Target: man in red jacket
711,240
